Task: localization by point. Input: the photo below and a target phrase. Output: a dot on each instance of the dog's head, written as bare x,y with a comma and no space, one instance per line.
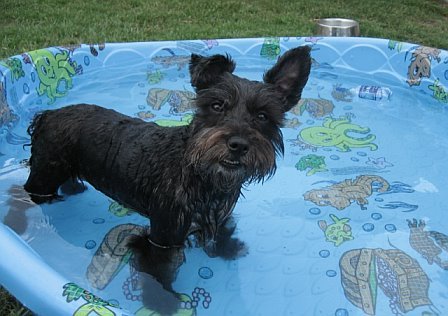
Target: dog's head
236,130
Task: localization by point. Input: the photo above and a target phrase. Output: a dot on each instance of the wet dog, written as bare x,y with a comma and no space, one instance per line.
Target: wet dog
186,179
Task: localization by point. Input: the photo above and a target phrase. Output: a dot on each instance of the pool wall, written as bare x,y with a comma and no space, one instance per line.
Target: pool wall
49,75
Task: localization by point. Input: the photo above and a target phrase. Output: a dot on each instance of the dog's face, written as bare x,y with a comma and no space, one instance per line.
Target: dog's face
236,129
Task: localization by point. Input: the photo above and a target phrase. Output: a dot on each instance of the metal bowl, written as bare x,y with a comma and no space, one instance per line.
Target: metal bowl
337,27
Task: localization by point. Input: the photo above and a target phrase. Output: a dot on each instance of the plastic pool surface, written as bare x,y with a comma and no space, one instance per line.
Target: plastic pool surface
353,222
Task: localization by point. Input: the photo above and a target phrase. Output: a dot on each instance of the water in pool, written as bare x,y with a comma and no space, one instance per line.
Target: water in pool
351,224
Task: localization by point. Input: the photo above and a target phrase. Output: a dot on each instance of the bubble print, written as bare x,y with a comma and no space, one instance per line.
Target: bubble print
90,244
376,216
314,211
391,228
99,220
368,227
205,273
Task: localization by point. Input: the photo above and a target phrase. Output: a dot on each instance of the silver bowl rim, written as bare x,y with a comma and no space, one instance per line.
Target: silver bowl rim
337,23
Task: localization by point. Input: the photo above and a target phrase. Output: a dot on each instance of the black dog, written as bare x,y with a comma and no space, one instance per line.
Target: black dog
185,179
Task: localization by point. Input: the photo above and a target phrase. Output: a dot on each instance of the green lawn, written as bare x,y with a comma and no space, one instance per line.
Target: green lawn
10,307
33,24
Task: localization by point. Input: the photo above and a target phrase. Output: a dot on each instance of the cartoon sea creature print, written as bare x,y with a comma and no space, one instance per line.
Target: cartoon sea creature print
341,195
170,60
94,50
210,43
337,133
145,115
430,244
323,65
293,123
194,47
395,45
55,73
302,145
398,187
438,91
337,232
154,77
312,162
316,108
349,170
313,39
7,116
270,48
366,271
119,210
70,48
440,239
94,304
185,120
180,101
15,139
379,163
339,93
398,204
112,255
15,67
420,65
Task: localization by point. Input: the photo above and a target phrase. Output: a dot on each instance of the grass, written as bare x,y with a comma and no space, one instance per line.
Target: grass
33,24
9,306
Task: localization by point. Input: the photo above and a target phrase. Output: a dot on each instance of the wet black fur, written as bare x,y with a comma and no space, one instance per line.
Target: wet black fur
185,179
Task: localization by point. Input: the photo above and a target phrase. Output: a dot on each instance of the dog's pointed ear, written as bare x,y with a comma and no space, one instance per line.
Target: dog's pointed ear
205,71
290,74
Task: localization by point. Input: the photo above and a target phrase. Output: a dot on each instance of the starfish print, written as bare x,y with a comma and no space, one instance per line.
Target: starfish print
379,163
313,39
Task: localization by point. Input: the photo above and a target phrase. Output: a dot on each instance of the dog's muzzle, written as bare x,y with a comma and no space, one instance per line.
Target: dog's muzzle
231,163
238,146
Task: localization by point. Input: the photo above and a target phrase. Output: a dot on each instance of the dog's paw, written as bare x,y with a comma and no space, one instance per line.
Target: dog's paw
72,187
156,298
232,248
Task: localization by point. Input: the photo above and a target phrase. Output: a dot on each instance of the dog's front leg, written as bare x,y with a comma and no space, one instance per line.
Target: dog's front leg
160,262
158,266
224,245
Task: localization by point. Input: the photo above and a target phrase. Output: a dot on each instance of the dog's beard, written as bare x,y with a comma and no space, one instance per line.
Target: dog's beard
211,159
224,178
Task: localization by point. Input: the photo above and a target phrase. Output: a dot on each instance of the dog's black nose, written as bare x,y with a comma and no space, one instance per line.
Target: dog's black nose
238,145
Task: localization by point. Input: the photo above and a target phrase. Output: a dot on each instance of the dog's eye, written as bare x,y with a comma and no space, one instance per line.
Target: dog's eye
217,107
262,116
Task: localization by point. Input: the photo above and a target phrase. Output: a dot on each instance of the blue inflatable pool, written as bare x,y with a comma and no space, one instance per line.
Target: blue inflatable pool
351,224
